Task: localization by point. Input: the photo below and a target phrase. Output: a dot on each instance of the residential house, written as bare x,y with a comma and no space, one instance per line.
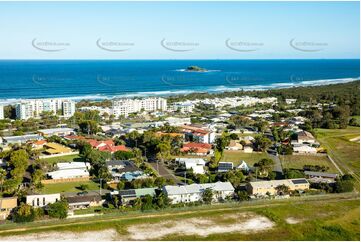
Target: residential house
82,201
56,149
7,204
107,145
194,192
70,170
261,188
127,196
56,131
320,177
198,135
304,149
42,200
39,144
124,170
21,139
234,145
247,149
196,164
305,137
200,149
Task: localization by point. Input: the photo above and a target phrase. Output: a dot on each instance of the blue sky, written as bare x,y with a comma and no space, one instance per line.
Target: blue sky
252,30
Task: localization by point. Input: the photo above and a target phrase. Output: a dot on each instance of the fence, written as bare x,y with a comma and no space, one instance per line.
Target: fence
52,181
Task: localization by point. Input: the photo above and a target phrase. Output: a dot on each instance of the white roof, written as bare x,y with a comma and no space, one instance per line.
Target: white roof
186,161
72,165
68,173
275,183
198,188
55,130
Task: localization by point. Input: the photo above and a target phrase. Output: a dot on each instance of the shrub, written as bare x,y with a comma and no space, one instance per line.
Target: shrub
24,213
58,209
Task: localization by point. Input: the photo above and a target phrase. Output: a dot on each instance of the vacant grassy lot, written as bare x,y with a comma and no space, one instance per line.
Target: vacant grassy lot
298,161
328,217
68,187
345,152
236,156
65,158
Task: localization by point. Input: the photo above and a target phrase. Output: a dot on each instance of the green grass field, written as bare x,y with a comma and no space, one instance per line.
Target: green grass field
68,187
298,161
65,158
236,156
345,152
322,217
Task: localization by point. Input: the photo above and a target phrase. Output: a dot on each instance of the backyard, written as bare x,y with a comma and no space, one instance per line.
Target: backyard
65,158
298,161
340,147
236,156
69,187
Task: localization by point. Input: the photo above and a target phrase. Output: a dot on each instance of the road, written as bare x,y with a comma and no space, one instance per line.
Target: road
164,171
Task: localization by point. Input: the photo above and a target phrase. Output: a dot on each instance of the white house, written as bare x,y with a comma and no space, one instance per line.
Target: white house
194,192
42,200
247,149
68,170
196,164
304,149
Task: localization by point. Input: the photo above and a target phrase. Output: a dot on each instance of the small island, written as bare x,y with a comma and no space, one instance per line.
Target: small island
195,69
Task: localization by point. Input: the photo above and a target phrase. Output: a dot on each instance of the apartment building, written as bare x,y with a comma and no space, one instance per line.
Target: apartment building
123,107
194,192
32,108
270,187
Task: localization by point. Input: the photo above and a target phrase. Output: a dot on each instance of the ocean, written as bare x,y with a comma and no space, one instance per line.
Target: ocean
99,79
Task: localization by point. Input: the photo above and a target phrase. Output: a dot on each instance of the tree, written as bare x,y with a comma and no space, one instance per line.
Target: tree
161,200
147,202
36,178
344,186
3,174
24,213
292,173
282,189
264,166
123,155
159,181
58,209
207,196
120,185
89,127
19,163
163,151
242,196
261,143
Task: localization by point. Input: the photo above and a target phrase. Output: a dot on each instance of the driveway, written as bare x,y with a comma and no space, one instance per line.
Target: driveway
164,171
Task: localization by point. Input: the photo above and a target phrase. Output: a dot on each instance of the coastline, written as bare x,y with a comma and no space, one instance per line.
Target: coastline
210,90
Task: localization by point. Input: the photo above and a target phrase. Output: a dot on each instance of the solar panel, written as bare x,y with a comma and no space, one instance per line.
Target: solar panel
127,192
225,166
299,181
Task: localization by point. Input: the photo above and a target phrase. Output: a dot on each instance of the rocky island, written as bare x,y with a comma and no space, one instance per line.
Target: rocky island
195,69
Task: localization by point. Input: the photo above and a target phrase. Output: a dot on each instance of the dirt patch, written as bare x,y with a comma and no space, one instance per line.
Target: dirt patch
292,220
244,223
102,235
